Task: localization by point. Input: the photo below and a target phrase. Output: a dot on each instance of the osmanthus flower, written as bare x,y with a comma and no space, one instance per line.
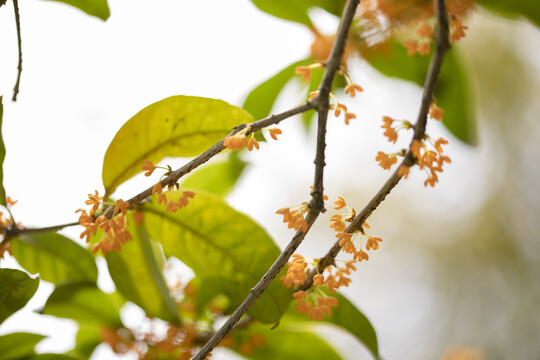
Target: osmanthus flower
149,167
387,160
237,141
252,143
294,216
347,243
95,201
305,71
274,132
435,112
391,132
296,271
338,221
339,107
314,303
252,342
430,160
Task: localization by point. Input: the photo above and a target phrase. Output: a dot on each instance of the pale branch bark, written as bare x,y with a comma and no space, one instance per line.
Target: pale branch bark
317,203
19,43
442,45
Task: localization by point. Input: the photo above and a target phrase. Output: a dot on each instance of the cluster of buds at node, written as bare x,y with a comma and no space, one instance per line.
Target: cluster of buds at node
239,140
430,160
314,302
294,216
171,204
346,238
115,233
6,223
457,29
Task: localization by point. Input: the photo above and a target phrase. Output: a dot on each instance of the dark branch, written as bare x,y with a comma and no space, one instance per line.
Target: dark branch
442,45
19,42
316,204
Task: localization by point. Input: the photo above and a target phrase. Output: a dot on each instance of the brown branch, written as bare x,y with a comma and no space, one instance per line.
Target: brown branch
19,42
316,204
419,130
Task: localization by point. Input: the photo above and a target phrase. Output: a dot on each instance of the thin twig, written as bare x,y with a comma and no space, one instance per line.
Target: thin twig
19,42
316,204
419,130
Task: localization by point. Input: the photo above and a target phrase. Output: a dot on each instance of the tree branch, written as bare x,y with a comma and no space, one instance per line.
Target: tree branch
442,45
19,43
316,204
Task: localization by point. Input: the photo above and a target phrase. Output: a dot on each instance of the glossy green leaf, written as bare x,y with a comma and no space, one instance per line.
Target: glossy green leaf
286,342
137,273
2,157
219,177
292,10
451,93
55,257
176,126
16,288
18,345
347,317
83,302
529,9
260,100
223,247
97,8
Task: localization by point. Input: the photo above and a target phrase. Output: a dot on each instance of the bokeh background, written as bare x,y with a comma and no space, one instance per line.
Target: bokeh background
460,263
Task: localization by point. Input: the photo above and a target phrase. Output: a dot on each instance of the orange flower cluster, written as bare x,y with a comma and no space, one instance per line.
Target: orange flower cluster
431,161
294,216
457,29
347,239
237,141
313,302
314,305
341,107
115,233
172,205
6,222
392,132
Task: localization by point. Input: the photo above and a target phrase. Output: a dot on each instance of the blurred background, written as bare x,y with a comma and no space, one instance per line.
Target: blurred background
459,265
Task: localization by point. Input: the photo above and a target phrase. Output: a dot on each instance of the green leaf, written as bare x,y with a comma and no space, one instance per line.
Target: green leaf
55,257
223,247
286,342
334,7
89,336
97,8
451,92
16,288
529,9
453,95
18,345
83,302
2,157
260,100
52,357
292,10
137,273
219,177
176,126
347,317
